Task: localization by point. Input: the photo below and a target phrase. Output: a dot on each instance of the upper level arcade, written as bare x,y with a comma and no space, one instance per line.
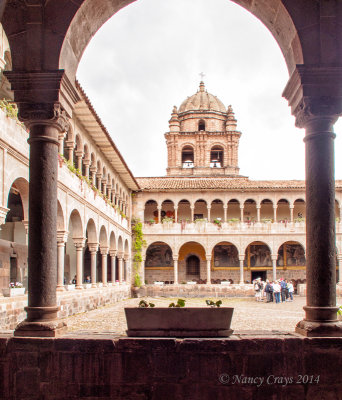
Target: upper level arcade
203,139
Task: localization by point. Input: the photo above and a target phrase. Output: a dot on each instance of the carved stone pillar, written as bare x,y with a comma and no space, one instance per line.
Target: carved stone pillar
79,244
208,209
315,97
274,266
93,247
98,180
62,237
175,270
208,258
112,254
241,212
192,208
159,215
241,260
104,254
39,97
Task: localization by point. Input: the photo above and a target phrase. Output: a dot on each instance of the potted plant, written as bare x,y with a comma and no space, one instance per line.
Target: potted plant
179,321
218,222
14,289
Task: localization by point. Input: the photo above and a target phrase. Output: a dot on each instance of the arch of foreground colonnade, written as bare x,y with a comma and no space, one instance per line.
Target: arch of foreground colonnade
311,47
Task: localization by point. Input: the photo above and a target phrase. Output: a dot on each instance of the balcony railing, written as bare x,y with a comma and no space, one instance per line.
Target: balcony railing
203,227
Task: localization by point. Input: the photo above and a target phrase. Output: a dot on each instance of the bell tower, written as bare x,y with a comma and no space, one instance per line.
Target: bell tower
203,139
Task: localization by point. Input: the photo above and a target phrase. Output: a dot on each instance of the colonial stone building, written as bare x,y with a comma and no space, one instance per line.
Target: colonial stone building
204,222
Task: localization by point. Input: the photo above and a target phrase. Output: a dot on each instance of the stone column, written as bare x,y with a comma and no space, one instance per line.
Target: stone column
26,225
291,213
79,156
86,164
104,254
339,257
241,212
69,144
175,270
93,247
79,244
104,186
176,214
112,254
208,209
192,208
92,170
241,260
225,208
208,258
113,196
315,96
62,237
120,260
98,180
258,213
38,95
275,213
142,271
61,136
159,215
274,266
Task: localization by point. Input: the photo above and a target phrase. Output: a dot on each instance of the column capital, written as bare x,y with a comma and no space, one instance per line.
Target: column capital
120,255
242,207
275,206
175,258
62,236
313,94
113,253
104,250
339,257
48,92
93,247
93,168
225,206
208,257
79,242
241,257
79,153
274,257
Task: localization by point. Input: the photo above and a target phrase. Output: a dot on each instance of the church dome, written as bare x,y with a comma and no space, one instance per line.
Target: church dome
202,101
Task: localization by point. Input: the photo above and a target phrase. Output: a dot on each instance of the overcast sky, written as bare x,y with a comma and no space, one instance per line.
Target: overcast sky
147,58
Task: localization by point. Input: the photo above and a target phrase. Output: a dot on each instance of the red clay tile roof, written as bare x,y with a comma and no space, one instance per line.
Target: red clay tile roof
216,183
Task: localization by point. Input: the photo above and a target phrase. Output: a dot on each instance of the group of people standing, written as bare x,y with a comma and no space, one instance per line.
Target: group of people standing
279,291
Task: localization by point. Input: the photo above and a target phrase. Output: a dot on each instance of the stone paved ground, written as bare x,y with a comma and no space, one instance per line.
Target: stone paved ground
248,315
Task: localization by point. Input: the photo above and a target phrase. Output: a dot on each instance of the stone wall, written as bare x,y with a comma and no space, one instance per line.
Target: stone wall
73,302
243,367
301,290
196,291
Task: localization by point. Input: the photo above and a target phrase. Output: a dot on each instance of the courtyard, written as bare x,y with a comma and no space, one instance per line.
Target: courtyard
248,315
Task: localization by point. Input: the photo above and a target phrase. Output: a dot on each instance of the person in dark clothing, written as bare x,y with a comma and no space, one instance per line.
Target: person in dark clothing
283,285
269,291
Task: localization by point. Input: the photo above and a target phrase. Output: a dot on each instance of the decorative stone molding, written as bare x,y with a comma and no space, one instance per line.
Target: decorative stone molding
62,236
44,90
313,92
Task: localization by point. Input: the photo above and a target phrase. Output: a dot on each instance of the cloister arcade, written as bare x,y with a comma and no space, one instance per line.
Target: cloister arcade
248,210
234,260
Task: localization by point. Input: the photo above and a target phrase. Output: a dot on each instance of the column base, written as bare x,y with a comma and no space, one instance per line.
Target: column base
80,287
319,329
94,285
41,329
60,288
